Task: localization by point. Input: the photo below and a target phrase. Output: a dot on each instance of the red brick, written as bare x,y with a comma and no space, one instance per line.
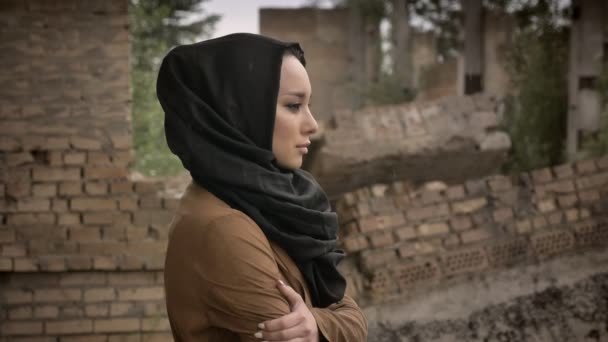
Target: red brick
572,215
99,158
500,183
567,201
466,260
6,264
14,250
563,171
130,278
33,205
96,188
57,295
589,196
123,187
585,166
29,219
92,204
433,211
53,174
105,172
103,263
460,223
82,143
150,202
602,162
70,188
502,214
57,143
15,296
171,203
68,219
75,158
116,325
546,205
121,309
69,327
20,312
155,324
381,239
78,279
121,141
117,232
542,175
21,328
416,249
44,190
144,187
99,295
373,258
16,159
78,263
126,203
560,187
355,243
469,206
25,265
455,192
475,235
428,229
46,311
59,205
405,233
103,248
539,222
7,235
52,263
144,217
141,294
97,310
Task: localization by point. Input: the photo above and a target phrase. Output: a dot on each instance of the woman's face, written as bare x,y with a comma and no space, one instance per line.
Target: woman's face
294,123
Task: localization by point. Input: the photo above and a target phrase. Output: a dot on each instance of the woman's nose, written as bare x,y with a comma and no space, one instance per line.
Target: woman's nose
311,126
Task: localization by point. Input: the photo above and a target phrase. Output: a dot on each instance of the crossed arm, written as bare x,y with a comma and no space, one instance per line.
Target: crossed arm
236,275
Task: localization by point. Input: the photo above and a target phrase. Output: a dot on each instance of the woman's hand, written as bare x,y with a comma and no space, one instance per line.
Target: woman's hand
297,326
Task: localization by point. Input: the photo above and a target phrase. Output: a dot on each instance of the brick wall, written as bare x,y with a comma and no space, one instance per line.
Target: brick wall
81,244
404,238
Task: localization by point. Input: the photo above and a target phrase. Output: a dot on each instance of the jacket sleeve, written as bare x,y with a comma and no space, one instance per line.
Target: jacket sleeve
231,275
341,322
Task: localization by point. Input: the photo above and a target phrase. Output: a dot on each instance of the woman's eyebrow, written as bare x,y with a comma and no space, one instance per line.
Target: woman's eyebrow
300,94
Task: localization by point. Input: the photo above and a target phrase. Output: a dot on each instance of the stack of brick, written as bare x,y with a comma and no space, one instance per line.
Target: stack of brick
81,244
403,239
451,139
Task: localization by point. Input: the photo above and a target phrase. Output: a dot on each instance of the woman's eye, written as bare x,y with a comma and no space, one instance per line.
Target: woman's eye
294,106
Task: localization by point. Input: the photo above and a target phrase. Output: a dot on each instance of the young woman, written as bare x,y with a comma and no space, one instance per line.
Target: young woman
252,250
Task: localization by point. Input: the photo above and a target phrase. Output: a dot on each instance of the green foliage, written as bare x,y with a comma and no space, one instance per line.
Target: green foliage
388,90
156,26
536,114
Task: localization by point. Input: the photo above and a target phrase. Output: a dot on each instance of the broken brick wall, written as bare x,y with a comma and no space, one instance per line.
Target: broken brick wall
401,239
81,244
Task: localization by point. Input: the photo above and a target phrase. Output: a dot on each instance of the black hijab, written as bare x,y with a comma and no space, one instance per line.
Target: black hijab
219,98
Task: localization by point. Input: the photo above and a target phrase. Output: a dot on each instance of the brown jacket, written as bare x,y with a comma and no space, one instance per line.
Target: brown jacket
220,278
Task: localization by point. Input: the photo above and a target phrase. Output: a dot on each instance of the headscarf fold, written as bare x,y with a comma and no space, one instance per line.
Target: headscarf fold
219,98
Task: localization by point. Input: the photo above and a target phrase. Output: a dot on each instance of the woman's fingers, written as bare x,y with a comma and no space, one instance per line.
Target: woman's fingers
285,322
284,334
292,296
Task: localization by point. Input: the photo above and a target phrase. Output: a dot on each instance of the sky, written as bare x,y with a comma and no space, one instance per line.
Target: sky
242,15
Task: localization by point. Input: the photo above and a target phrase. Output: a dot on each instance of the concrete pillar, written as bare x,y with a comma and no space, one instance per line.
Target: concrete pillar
473,46
587,38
